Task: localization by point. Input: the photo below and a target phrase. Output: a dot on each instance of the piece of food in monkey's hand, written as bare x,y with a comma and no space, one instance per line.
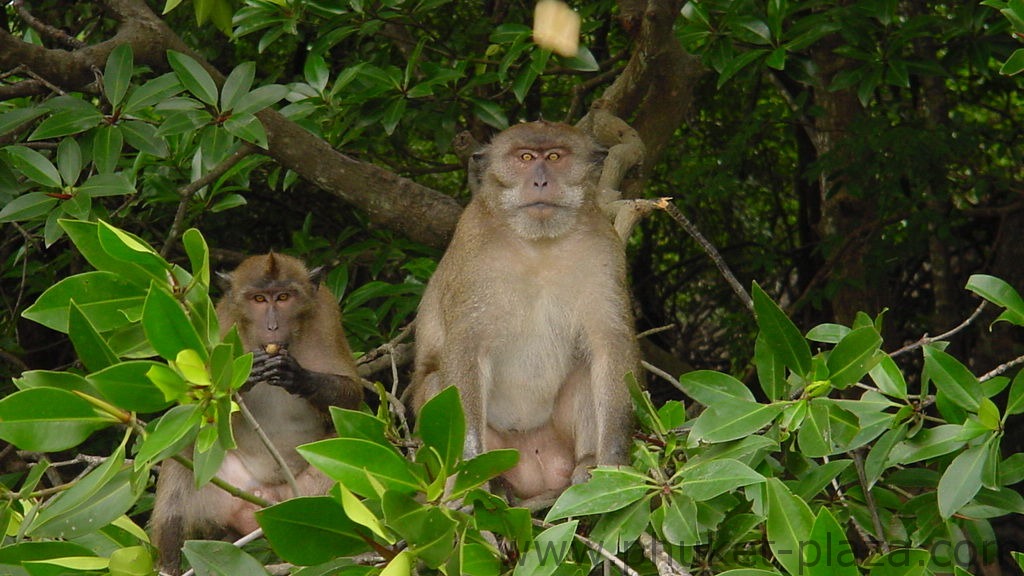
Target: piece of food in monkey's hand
556,27
272,349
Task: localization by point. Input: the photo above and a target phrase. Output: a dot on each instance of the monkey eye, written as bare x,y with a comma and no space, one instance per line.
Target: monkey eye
527,156
283,296
553,156
259,298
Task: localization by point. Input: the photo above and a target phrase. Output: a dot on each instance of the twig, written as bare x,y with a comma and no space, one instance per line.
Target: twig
659,372
250,537
869,500
1001,368
45,29
607,555
712,252
864,536
274,453
929,339
189,190
663,561
654,331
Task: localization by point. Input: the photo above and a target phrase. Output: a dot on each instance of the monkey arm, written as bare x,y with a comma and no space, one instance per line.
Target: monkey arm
322,389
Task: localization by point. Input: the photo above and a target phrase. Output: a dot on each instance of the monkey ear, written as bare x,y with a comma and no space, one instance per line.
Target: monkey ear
476,167
224,281
316,275
599,154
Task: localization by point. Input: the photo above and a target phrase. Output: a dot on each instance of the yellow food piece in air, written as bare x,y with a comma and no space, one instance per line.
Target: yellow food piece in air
556,27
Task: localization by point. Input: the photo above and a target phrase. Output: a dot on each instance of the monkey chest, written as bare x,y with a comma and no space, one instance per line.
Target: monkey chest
528,363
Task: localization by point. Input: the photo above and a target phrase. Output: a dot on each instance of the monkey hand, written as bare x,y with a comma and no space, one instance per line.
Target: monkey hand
279,369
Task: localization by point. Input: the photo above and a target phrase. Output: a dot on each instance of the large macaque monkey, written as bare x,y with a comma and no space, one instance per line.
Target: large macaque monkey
302,364
528,313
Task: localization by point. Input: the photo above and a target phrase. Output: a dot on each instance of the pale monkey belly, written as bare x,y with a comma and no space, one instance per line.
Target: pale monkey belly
526,380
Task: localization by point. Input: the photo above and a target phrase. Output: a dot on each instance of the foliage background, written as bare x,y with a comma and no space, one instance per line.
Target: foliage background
847,155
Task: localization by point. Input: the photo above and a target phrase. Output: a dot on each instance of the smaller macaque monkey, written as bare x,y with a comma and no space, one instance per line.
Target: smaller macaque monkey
302,364
528,313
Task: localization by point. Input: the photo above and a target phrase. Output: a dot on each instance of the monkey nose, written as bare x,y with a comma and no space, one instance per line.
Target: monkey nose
540,183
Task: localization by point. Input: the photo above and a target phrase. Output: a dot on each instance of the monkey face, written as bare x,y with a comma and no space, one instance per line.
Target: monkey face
538,175
273,315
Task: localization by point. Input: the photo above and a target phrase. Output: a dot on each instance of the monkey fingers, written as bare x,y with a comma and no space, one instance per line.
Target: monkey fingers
277,369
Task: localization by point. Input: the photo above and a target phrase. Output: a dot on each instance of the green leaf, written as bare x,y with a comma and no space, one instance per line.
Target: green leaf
710,479
126,247
1014,64
961,480
355,461
709,387
855,354
34,166
47,378
69,160
490,113
248,128
442,426
85,235
952,379
889,378
48,419
828,430
117,75
14,118
92,349
828,333
904,562
358,424
153,92
393,115
102,504
877,461
583,61
1015,400
549,550
131,561
227,202
733,419
359,513
679,521
781,335
103,297
927,444
261,98
237,85
127,386
311,530
607,490
143,137
107,142
429,532
788,525
170,434
67,123
474,472
167,327
27,207
813,481
193,77
107,185
214,558
827,552
624,526
1000,293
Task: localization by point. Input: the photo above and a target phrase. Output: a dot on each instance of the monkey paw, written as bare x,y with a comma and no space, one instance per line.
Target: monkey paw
279,369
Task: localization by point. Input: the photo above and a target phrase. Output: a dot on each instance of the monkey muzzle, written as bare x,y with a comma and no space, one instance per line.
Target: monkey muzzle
540,210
